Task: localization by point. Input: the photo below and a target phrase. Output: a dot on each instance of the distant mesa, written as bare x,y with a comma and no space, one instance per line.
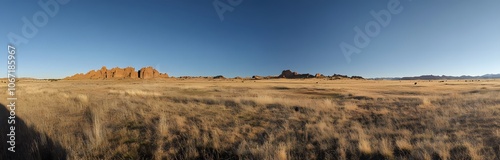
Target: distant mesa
288,74
119,73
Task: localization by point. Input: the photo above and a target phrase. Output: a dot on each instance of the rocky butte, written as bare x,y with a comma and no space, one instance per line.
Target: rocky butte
119,73
290,74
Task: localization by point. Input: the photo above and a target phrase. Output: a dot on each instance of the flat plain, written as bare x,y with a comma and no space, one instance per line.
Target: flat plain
259,119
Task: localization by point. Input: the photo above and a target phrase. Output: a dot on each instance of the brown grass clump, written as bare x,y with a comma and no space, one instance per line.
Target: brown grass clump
265,119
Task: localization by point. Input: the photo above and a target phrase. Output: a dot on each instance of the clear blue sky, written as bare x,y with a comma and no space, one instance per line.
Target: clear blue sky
258,37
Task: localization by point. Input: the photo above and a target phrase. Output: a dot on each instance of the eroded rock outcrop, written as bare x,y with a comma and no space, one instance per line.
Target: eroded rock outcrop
150,72
290,74
319,75
146,73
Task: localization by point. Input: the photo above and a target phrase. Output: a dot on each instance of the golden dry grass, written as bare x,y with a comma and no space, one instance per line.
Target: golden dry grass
266,119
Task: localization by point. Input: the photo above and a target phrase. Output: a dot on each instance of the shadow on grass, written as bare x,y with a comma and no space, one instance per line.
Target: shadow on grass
29,143
281,88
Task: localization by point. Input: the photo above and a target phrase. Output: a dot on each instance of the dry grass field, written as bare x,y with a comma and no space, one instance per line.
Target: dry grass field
263,119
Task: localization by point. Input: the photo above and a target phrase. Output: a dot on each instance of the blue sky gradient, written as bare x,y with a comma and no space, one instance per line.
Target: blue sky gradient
259,37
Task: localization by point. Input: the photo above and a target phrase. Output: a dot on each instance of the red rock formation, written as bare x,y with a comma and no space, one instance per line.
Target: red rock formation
103,72
119,73
146,73
131,73
150,72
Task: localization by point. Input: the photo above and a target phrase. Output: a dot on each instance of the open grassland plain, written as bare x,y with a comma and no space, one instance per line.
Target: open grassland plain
262,119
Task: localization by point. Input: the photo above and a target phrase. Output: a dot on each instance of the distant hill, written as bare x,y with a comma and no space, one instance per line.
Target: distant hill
435,77
491,76
288,74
